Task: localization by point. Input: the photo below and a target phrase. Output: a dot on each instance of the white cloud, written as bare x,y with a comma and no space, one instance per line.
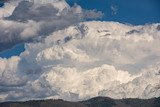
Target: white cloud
15,32
30,31
86,60
32,21
9,74
6,10
114,9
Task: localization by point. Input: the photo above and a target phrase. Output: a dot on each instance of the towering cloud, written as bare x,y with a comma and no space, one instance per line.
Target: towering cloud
74,60
86,60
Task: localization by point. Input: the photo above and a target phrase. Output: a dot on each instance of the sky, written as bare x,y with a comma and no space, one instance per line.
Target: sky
135,12
59,49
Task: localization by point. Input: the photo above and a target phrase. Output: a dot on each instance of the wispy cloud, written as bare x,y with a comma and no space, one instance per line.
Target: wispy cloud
114,9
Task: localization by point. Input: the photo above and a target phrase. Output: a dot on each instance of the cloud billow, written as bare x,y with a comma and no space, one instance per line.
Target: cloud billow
73,60
45,18
86,60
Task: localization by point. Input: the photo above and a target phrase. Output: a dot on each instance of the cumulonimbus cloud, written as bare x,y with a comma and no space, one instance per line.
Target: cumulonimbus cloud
86,60
76,61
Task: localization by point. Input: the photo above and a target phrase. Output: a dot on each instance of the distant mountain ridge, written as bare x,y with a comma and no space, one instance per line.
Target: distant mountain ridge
94,102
